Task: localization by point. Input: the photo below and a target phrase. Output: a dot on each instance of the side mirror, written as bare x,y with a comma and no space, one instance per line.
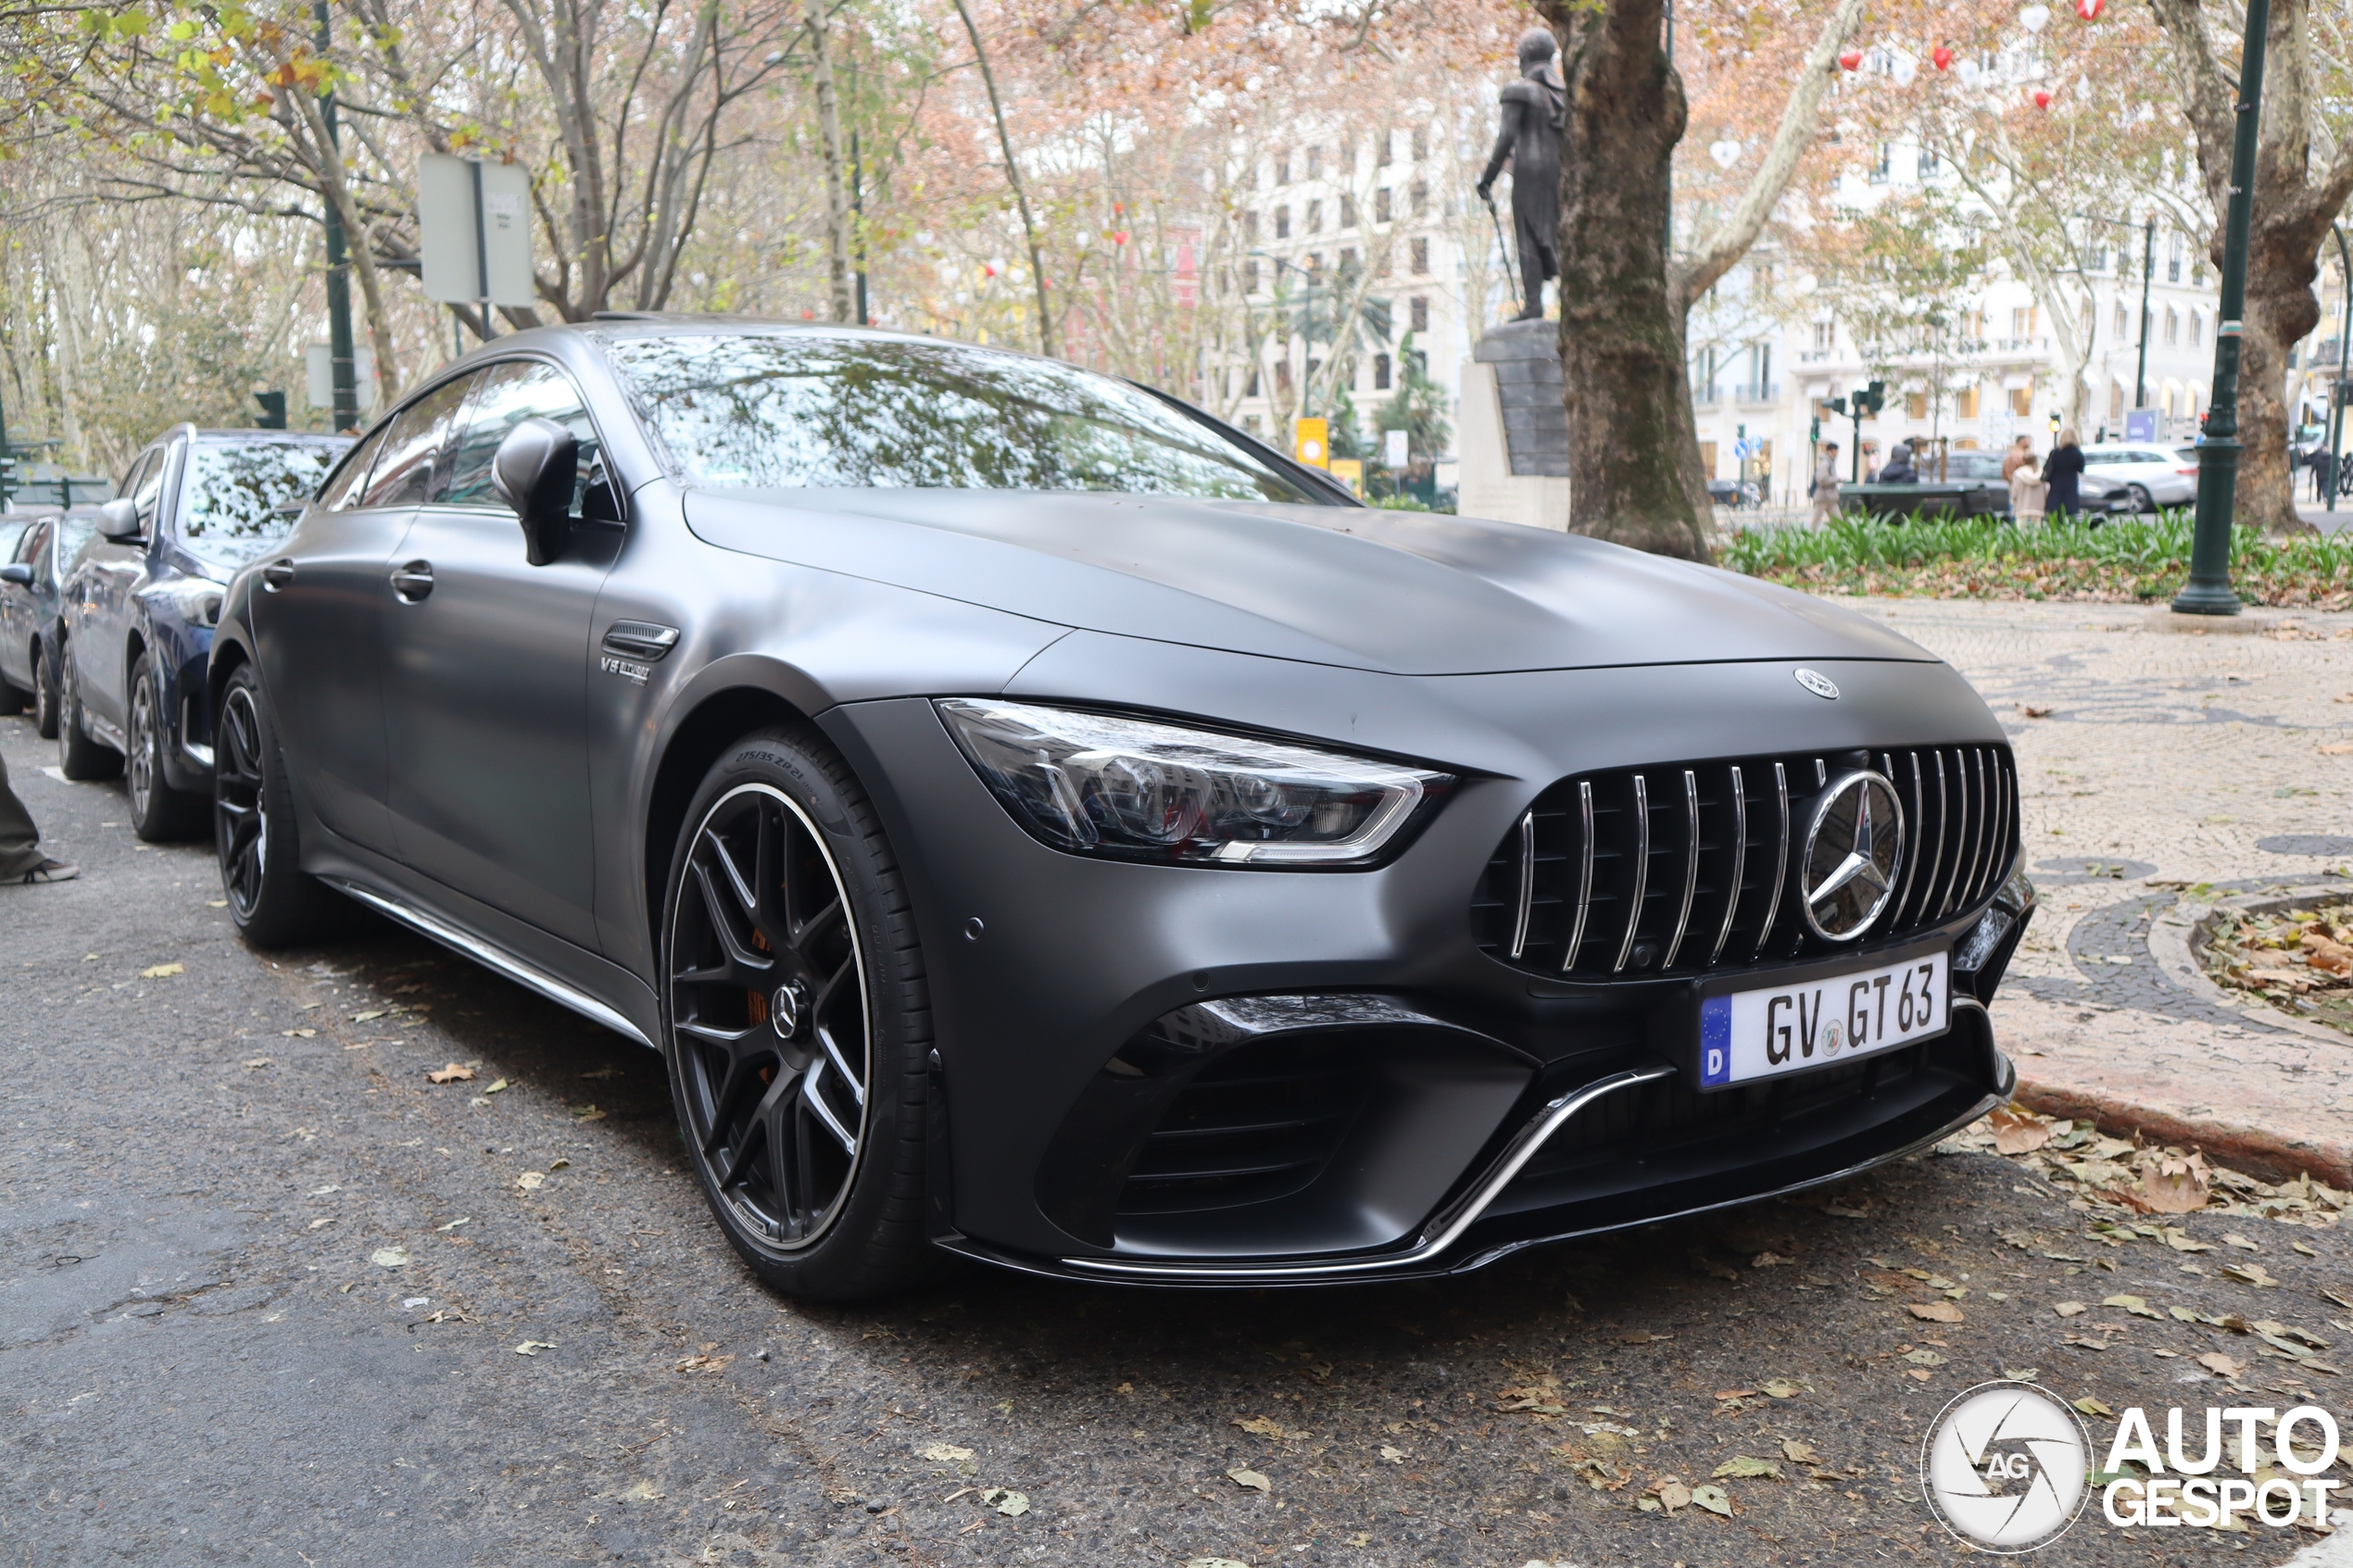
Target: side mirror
17,572
535,472
119,519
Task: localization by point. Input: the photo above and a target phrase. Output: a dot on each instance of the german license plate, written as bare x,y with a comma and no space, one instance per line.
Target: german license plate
1763,1032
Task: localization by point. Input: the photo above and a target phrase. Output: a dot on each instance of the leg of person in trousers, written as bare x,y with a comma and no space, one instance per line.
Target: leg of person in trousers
20,856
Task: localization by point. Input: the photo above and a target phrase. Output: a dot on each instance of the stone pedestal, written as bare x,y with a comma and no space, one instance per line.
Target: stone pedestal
1511,432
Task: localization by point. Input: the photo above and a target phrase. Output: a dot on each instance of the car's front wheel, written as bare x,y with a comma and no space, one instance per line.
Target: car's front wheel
79,756
274,902
799,1029
2141,502
159,812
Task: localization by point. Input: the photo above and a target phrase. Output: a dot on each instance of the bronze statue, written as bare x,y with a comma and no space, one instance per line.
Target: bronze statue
1530,140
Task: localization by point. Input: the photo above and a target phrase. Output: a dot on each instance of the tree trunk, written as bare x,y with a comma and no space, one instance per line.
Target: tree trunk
1623,382
837,173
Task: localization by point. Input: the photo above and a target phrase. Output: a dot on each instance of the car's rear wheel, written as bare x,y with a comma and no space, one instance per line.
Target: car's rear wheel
159,812
45,696
798,1028
274,902
79,756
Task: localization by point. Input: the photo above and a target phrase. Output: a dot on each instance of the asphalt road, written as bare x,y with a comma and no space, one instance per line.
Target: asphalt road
263,1287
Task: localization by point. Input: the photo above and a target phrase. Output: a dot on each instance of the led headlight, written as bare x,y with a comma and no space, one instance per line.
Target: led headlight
1138,789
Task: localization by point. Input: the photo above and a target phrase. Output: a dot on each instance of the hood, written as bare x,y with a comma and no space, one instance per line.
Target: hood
1403,592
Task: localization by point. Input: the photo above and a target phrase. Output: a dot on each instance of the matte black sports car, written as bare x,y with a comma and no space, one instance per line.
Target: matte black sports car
1036,821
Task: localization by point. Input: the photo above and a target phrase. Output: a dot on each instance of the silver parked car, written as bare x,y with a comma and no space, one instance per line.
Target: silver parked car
2155,476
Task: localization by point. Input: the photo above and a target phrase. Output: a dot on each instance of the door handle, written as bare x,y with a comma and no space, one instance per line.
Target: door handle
277,574
412,581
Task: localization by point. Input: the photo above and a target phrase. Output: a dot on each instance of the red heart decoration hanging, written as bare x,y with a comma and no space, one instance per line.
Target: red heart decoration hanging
2090,9
1852,59
1941,57
2041,98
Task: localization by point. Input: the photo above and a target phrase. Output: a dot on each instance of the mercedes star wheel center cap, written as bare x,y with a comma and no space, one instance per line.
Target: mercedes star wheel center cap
785,1007
1852,851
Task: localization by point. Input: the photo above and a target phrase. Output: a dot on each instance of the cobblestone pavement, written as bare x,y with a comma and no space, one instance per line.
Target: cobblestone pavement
2152,761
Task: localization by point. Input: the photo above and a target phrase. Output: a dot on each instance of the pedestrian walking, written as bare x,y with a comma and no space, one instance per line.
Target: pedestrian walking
2062,474
1826,484
21,857
2022,473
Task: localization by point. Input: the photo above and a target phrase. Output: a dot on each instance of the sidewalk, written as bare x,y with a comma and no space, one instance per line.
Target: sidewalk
2166,761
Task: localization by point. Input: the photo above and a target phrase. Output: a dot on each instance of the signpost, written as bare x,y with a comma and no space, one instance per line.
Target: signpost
473,228
1311,441
1394,449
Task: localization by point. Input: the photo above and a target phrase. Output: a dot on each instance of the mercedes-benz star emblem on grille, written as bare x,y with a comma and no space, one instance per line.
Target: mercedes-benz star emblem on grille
1814,681
1852,850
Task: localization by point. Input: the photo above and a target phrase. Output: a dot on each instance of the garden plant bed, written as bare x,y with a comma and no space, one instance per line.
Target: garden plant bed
2299,959
2125,560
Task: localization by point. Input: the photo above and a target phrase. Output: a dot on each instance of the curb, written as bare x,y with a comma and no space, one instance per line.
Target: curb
2324,1151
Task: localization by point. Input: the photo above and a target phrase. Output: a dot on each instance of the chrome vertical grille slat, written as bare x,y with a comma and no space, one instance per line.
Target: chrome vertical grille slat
1572,889
1527,885
1584,873
1641,874
1740,867
1690,864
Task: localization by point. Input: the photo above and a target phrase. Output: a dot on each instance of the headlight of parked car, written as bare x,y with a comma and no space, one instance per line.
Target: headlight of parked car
1139,789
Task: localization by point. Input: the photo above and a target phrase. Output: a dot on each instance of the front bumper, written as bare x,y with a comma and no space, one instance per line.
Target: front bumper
1430,1109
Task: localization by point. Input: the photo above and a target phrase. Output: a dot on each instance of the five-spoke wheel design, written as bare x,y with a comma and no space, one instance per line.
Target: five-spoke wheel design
238,821
770,1018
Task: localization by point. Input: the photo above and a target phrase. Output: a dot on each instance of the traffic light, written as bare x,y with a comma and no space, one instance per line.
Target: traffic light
1814,430
7,480
1874,397
273,410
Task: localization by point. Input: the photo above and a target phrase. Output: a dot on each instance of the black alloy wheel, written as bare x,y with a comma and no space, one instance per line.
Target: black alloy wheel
79,756
159,812
45,696
795,1059
274,904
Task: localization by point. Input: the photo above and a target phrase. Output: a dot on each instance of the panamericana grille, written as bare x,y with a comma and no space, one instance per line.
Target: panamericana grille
1686,867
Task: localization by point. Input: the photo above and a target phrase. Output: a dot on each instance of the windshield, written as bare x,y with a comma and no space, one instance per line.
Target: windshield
760,410
235,491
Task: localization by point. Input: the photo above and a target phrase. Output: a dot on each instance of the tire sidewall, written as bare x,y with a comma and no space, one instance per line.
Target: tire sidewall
290,904
847,1260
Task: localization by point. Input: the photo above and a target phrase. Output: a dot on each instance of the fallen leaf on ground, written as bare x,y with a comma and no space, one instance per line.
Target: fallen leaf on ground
2180,1241
2222,1365
327,1220
531,1181
456,1072
2177,1187
1742,1467
388,1257
2337,748
1713,1499
2018,1133
1767,1260
1644,1336
2308,1251
2232,1238
533,1347
586,1113
1390,1454
163,971
1012,1504
1215,1562
2031,711
1782,1388
2090,1405
1263,1425
1934,1311
603,1072
2138,1306
559,1164
370,1015
703,1361
496,1087
2069,1308
454,1223
2255,1274
1241,1475
1671,1494
300,1033
1925,1358
257,1063
1798,1453
1736,1393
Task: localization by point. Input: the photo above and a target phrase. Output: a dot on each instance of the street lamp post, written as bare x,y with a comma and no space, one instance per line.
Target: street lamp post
2343,386
2148,270
1307,309
341,362
2208,591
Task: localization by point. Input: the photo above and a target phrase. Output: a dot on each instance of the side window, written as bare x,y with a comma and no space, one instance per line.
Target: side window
345,486
135,474
149,495
403,475
29,548
508,394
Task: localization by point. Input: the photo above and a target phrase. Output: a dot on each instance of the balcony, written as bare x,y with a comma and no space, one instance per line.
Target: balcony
1756,393
1707,397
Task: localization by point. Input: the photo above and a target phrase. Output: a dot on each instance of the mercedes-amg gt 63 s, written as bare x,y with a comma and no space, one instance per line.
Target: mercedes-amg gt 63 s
1036,822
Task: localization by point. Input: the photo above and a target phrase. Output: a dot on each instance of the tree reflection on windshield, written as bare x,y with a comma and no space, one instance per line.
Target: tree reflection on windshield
757,410
236,489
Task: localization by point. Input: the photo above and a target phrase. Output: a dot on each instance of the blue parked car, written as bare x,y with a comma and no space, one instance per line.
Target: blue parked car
142,599
32,572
